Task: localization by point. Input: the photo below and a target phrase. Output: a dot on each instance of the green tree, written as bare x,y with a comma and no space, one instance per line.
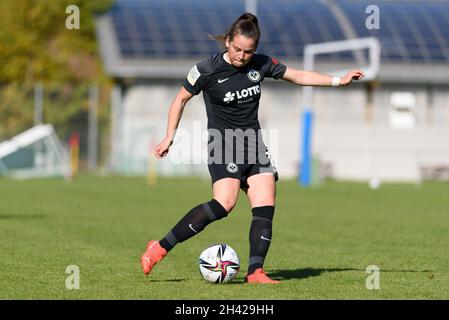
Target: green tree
35,44
36,47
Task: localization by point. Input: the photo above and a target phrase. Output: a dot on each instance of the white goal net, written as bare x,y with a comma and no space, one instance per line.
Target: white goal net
36,152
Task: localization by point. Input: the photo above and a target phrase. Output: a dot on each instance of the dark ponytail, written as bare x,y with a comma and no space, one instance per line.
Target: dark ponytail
246,25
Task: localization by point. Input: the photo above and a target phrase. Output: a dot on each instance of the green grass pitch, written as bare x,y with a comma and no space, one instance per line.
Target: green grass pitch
324,239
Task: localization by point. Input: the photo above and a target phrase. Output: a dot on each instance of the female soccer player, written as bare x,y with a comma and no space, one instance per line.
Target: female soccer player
238,158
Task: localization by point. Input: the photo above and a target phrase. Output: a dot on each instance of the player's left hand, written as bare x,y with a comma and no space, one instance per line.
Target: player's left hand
351,75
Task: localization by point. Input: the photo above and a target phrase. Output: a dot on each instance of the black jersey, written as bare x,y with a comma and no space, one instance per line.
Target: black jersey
232,94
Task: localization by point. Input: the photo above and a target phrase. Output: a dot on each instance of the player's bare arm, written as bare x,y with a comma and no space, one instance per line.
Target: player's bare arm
310,78
174,116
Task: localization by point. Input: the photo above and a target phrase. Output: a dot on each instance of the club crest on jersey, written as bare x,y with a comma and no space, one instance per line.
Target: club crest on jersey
232,167
254,75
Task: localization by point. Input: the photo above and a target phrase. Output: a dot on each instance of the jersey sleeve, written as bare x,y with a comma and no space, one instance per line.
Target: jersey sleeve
196,78
273,68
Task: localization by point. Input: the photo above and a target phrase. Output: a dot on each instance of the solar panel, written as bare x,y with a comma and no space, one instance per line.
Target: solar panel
406,32
416,31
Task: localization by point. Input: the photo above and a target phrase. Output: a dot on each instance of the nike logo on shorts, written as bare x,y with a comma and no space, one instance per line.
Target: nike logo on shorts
222,80
263,238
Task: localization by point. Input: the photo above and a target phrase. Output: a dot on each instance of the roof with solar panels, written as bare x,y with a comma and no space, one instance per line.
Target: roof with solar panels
162,38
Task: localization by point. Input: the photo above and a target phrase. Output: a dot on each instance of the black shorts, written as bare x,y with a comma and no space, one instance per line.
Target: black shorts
239,155
240,171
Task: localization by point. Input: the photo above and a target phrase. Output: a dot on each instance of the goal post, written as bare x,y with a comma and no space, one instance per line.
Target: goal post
371,71
36,152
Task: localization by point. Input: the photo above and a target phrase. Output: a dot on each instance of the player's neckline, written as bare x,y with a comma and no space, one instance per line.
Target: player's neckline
230,64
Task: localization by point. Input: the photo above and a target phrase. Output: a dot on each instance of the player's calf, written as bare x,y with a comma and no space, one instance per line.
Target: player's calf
193,223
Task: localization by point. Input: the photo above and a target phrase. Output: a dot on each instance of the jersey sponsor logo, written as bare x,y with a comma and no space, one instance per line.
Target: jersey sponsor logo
248,92
232,167
241,94
193,75
229,96
254,75
222,80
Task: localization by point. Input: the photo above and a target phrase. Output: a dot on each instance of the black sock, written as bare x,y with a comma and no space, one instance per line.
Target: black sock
193,222
260,236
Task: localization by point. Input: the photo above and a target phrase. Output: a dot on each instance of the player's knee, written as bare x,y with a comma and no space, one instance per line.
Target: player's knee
259,200
259,203
216,210
227,203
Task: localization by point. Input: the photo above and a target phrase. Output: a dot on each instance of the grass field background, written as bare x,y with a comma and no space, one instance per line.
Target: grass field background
323,240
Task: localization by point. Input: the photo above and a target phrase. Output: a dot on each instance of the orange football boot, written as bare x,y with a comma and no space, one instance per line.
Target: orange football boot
259,276
153,254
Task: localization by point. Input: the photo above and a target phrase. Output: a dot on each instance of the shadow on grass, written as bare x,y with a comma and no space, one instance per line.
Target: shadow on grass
167,280
299,274
22,216
314,272
304,273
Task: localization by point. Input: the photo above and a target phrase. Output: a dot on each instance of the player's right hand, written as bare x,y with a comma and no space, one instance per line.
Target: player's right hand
161,149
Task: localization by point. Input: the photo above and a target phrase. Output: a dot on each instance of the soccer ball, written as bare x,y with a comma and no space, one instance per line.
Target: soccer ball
219,263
